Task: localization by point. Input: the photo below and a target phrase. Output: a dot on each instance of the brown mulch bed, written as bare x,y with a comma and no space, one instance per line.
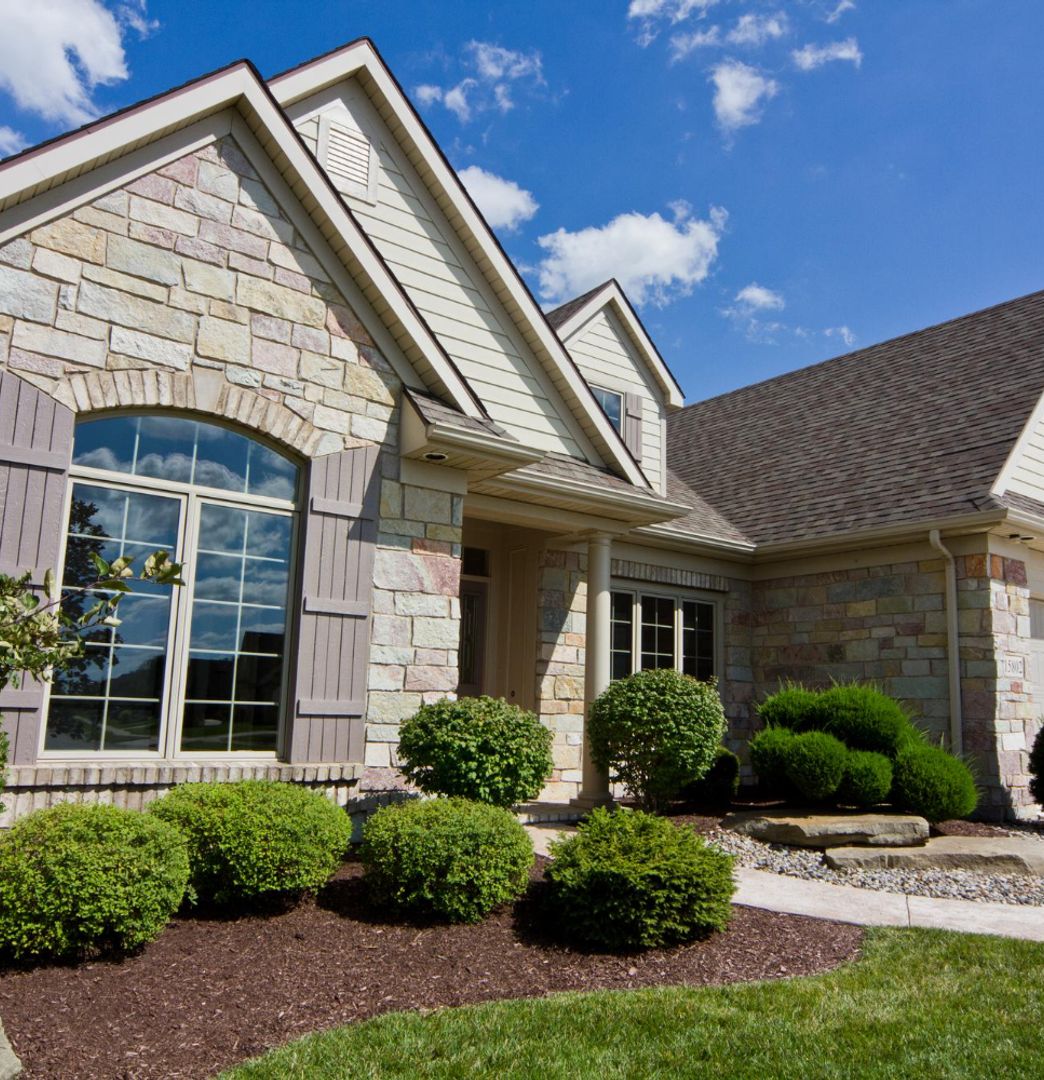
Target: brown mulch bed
211,992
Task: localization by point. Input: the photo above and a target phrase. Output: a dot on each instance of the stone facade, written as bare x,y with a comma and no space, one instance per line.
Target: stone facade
190,288
561,656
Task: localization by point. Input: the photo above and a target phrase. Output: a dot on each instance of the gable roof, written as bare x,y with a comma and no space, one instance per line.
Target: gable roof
33,190
360,59
574,315
915,429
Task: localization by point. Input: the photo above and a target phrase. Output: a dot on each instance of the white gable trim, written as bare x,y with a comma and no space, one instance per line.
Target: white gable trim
361,59
611,295
1018,452
237,87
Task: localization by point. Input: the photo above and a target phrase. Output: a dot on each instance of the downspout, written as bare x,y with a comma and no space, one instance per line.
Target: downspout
953,656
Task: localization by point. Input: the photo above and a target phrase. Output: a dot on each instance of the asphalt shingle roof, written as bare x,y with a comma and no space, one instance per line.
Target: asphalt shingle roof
567,310
912,429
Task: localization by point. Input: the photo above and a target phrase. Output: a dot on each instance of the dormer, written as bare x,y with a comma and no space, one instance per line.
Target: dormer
617,358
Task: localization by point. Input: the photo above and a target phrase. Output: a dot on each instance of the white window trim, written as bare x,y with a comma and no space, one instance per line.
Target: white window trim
677,596
173,699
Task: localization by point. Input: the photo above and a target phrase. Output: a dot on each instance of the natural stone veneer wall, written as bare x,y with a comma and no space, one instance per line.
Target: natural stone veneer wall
190,288
561,657
887,623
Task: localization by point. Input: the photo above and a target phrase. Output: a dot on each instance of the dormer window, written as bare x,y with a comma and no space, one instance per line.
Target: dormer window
612,405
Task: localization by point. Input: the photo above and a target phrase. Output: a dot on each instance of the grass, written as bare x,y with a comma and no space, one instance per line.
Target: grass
918,1004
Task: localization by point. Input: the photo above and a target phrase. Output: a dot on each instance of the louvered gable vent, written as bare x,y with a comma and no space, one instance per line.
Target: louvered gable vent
347,155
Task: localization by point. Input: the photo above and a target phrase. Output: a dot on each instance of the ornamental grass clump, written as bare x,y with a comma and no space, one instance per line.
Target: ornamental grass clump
1036,768
630,880
477,748
656,731
254,838
768,759
867,780
79,880
814,763
450,858
930,782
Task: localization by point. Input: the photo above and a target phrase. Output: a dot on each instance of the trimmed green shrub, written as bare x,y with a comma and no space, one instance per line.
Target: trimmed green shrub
1036,767
720,784
477,748
930,782
867,779
768,759
630,879
252,838
863,718
75,880
655,731
791,706
814,763
452,858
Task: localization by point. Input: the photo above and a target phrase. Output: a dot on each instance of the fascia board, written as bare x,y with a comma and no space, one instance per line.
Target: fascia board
640,506
362,55
614,295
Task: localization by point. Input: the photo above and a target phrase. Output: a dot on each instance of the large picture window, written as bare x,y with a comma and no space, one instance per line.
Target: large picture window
652,630
196,669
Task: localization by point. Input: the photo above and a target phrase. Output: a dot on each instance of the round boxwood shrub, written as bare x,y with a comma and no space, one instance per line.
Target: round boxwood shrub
792,706
814,763
867,780
75,880
768,759
656,731
863,718
719,785
452,858
477,748
630,879
1036,767
930,782
253,838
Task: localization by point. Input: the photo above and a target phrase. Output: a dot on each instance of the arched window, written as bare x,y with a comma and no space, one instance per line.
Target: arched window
199,669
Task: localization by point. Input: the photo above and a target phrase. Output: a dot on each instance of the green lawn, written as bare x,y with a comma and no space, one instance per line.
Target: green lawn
919,1004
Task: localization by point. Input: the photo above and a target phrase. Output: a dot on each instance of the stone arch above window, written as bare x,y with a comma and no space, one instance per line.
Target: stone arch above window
203,391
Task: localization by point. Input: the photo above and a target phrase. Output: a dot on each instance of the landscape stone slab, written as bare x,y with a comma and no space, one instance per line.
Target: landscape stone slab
829,830
995,855
10,1066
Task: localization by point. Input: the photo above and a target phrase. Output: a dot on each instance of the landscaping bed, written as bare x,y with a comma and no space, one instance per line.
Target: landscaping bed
211,992
808,863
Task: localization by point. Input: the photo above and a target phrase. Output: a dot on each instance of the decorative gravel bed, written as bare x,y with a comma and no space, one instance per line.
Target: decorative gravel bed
946,884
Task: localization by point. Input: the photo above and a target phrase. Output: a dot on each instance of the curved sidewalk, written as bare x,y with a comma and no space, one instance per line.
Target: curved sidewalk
864,907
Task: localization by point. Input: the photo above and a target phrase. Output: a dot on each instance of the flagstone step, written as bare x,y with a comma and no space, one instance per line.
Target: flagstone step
995,855
819,830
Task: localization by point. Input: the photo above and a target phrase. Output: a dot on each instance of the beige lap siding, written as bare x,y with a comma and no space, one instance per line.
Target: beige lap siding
190,288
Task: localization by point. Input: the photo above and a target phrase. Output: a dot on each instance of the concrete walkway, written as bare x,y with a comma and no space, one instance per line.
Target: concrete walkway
864,907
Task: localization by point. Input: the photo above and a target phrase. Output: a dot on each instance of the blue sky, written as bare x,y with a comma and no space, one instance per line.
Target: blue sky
775,182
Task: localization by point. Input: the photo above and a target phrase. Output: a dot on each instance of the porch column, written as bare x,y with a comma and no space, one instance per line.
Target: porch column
594,789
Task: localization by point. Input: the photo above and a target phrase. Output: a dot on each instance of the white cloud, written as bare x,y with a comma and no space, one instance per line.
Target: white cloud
492,70
683,44
739,92
810,57
11,141
842,7
54,54
842,332
757,29
655,260
755,297
503,203
427,93
651,14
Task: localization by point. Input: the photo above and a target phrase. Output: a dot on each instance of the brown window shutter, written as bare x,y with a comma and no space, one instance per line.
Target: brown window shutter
333,640
632,425
36,436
